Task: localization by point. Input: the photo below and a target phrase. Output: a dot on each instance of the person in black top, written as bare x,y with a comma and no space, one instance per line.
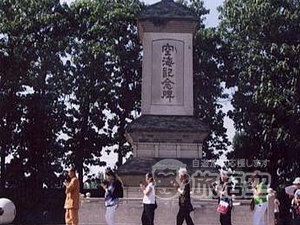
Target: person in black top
295,209
185,205
284,208
113,188
224,192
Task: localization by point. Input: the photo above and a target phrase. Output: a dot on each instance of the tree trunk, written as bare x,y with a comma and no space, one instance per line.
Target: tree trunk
120,159
79,167
2,170
79,158
121,141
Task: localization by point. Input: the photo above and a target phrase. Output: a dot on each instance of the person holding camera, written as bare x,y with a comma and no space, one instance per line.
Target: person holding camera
148,200
185,205
113,189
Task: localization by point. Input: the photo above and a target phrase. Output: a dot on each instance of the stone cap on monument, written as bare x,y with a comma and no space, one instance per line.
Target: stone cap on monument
168,10
167,16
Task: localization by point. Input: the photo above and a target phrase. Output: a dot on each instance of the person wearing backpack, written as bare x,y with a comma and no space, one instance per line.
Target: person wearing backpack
148,200
113,189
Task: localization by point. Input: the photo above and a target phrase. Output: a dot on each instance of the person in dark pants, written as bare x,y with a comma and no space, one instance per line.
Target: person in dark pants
284,208
295,209
185,205
224,194
148,200
285,197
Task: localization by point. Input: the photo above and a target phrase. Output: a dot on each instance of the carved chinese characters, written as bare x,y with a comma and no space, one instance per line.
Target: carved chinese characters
167,87
167,72
168,68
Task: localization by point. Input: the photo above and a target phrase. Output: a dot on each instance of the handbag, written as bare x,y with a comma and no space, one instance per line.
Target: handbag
252,204
190,207
155,205
223,207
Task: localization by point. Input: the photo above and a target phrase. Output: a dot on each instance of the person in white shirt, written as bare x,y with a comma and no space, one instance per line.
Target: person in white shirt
148,200
290,190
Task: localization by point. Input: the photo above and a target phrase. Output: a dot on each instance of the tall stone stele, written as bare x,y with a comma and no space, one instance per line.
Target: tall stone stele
167,128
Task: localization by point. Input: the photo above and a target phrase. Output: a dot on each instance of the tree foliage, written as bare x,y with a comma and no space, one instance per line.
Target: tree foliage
31,77
125,68
71,81
105,75
63,70
208,78
261,60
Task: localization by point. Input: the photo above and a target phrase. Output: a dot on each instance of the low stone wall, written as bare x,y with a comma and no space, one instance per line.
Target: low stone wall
129,212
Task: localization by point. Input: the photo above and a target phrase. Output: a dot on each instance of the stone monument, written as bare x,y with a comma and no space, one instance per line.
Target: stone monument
167,128
167,134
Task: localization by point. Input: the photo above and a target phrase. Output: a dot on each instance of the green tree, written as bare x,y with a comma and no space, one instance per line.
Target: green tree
32,43
11,67
105,72
261,60
241,144
208,78
88,95
125,67
79,82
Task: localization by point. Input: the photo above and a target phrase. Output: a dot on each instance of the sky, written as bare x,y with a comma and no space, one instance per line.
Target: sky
212,18
210,21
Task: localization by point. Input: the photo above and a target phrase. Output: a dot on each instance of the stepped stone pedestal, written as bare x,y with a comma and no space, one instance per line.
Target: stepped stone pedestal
155,138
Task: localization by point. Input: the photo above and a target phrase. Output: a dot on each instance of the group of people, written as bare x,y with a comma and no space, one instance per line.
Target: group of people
149,201
113,188
286,211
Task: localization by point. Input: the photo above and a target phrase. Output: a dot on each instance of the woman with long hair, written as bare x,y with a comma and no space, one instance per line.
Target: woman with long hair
111,187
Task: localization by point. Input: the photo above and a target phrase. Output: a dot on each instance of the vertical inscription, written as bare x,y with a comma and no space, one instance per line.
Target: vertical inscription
168,65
